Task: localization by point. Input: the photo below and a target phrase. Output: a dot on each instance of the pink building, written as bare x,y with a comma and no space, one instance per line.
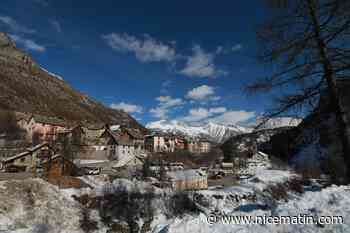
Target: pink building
46,128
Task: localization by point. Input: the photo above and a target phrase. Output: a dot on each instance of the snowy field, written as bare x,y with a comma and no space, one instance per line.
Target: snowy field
35,206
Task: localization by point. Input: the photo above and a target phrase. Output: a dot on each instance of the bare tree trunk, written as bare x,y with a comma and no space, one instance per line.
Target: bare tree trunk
332,88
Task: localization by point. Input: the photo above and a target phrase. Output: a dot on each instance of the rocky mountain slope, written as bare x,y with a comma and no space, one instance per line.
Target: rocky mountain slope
212,131
26,87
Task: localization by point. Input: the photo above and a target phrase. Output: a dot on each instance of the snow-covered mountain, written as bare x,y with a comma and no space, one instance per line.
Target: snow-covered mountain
212,131
279,122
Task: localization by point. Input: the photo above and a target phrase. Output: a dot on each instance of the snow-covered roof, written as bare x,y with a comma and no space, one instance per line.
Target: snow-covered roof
186,174
128,160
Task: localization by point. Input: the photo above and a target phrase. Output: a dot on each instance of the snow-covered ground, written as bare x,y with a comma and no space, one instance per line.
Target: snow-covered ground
332,201
237,201
33,205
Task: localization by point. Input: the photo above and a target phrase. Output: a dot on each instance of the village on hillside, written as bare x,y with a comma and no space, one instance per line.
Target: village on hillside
53,149
115,178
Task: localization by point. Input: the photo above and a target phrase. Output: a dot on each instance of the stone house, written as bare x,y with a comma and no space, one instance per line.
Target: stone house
28,160
188,179
116,147
134,136
76,133
92,134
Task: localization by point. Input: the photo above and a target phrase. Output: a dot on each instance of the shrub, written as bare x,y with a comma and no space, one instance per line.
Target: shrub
86,223
126,206
278,192
296,185
179,204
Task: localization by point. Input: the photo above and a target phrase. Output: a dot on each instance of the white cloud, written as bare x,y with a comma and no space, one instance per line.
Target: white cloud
232,117
199,114
227,50
217,115
202,93
146,49
165,103
159,112
14,25
56,25
218,110
129,108
28,44
237,47
201,64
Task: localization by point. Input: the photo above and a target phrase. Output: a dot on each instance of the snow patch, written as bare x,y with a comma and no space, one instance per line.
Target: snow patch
52,74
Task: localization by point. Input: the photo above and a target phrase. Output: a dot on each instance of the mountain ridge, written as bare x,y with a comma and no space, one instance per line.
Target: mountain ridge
212,131
27,87
216,132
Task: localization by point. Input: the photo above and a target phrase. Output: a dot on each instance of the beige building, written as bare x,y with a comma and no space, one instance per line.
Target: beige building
198,146
188,179
204,146
159,143
92,134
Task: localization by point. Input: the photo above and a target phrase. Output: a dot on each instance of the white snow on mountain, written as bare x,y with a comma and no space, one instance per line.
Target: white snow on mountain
217,132
278,122
213,131
52,74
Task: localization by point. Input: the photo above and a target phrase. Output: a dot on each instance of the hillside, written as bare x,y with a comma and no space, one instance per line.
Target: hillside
241,144
26,87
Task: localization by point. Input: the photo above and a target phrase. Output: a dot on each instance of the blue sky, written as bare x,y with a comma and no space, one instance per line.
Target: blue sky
159,60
